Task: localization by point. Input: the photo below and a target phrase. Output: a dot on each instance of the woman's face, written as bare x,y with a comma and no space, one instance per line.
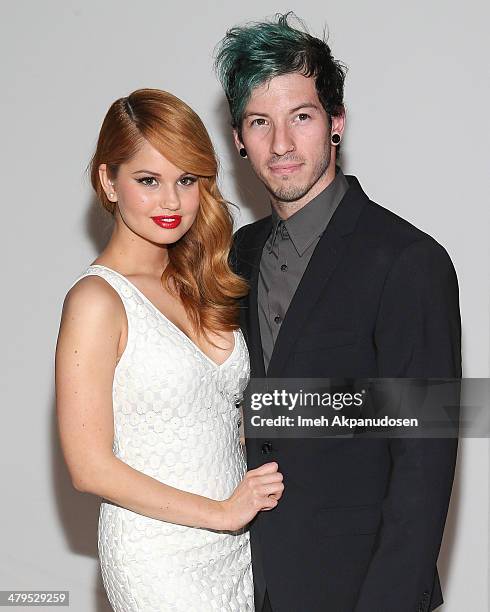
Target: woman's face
155,199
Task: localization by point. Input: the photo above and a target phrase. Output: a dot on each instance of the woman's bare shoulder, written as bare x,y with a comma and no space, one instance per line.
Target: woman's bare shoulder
92,297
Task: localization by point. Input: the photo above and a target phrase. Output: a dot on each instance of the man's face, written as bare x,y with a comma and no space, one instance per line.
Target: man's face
286,133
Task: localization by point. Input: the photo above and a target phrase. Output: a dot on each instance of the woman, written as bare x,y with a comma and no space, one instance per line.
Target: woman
150,364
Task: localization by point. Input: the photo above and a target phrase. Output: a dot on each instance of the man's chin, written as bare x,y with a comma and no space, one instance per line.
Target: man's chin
288,193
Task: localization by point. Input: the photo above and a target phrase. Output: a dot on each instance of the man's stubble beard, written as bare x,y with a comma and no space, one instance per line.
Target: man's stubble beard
290,194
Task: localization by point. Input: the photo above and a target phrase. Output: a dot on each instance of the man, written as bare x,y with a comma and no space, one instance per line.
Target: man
339,287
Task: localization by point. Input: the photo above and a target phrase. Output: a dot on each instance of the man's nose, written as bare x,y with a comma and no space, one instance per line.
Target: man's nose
282,141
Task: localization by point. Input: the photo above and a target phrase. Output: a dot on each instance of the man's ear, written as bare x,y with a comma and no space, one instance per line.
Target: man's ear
238,141
338,124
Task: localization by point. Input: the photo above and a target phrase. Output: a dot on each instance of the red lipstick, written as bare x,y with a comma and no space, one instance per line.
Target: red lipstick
168,221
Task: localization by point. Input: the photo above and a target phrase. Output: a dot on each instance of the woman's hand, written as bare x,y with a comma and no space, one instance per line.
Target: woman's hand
259,490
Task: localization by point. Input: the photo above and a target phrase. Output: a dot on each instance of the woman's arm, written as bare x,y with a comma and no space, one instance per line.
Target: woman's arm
91,325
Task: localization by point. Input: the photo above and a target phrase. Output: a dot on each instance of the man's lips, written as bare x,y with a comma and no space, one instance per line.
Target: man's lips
285,168
167,221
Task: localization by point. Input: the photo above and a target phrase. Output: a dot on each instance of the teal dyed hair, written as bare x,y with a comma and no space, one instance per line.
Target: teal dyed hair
251,55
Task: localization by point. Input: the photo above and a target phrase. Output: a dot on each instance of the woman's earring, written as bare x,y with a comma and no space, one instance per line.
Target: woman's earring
111,195
243,152
335,139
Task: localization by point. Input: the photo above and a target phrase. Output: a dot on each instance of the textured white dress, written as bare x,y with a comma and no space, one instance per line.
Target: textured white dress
176,419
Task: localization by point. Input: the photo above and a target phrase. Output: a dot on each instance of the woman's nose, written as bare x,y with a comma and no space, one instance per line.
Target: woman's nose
170,200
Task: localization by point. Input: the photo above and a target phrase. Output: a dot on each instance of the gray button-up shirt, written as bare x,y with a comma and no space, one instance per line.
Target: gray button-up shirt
286,255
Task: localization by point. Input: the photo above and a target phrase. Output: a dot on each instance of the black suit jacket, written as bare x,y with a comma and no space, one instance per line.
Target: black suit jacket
360,523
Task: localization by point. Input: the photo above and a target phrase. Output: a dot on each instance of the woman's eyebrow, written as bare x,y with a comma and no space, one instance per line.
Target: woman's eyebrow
147,172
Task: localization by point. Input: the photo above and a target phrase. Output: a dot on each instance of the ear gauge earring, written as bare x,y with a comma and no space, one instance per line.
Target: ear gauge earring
335,139
243,152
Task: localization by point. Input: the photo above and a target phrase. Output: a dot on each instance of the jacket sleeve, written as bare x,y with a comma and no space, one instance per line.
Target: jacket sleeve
233,259
418,335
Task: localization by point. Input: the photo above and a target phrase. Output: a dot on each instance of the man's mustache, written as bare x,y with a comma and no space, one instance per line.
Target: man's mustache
288,158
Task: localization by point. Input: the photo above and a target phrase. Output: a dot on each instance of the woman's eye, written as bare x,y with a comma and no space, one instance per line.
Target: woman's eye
303,116
144,181
259,121
187,181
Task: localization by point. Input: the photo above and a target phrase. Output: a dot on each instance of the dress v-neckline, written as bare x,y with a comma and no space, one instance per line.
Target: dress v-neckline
171,323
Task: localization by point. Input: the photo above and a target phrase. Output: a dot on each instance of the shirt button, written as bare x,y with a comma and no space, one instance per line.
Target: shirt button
266,448
284,267
277,319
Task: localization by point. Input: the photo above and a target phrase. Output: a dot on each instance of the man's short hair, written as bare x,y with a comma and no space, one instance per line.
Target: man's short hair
251,55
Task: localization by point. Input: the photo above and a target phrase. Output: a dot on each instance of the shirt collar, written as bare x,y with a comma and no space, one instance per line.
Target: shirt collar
309,222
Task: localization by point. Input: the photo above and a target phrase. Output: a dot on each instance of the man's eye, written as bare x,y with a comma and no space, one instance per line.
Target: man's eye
258,121
187,181
144,180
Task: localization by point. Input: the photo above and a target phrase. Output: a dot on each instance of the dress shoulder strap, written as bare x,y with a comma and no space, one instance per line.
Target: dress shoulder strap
120,284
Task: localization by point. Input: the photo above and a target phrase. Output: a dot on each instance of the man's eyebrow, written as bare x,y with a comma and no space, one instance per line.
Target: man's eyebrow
251,113
305,105
293,110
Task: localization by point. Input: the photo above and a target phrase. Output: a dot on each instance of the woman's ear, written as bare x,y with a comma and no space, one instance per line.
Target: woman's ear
107,183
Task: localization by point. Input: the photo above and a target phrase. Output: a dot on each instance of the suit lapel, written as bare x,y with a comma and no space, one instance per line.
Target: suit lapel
251,258
325,258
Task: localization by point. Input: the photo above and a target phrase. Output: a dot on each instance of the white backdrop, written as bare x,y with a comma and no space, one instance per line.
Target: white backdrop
417,97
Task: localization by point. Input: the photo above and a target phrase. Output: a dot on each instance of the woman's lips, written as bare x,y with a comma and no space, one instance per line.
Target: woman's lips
168,221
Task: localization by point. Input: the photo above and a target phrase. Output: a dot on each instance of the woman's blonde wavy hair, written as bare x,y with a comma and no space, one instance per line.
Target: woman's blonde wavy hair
198,262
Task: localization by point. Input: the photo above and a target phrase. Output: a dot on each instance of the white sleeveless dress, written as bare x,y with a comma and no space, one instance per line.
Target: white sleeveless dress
176,419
